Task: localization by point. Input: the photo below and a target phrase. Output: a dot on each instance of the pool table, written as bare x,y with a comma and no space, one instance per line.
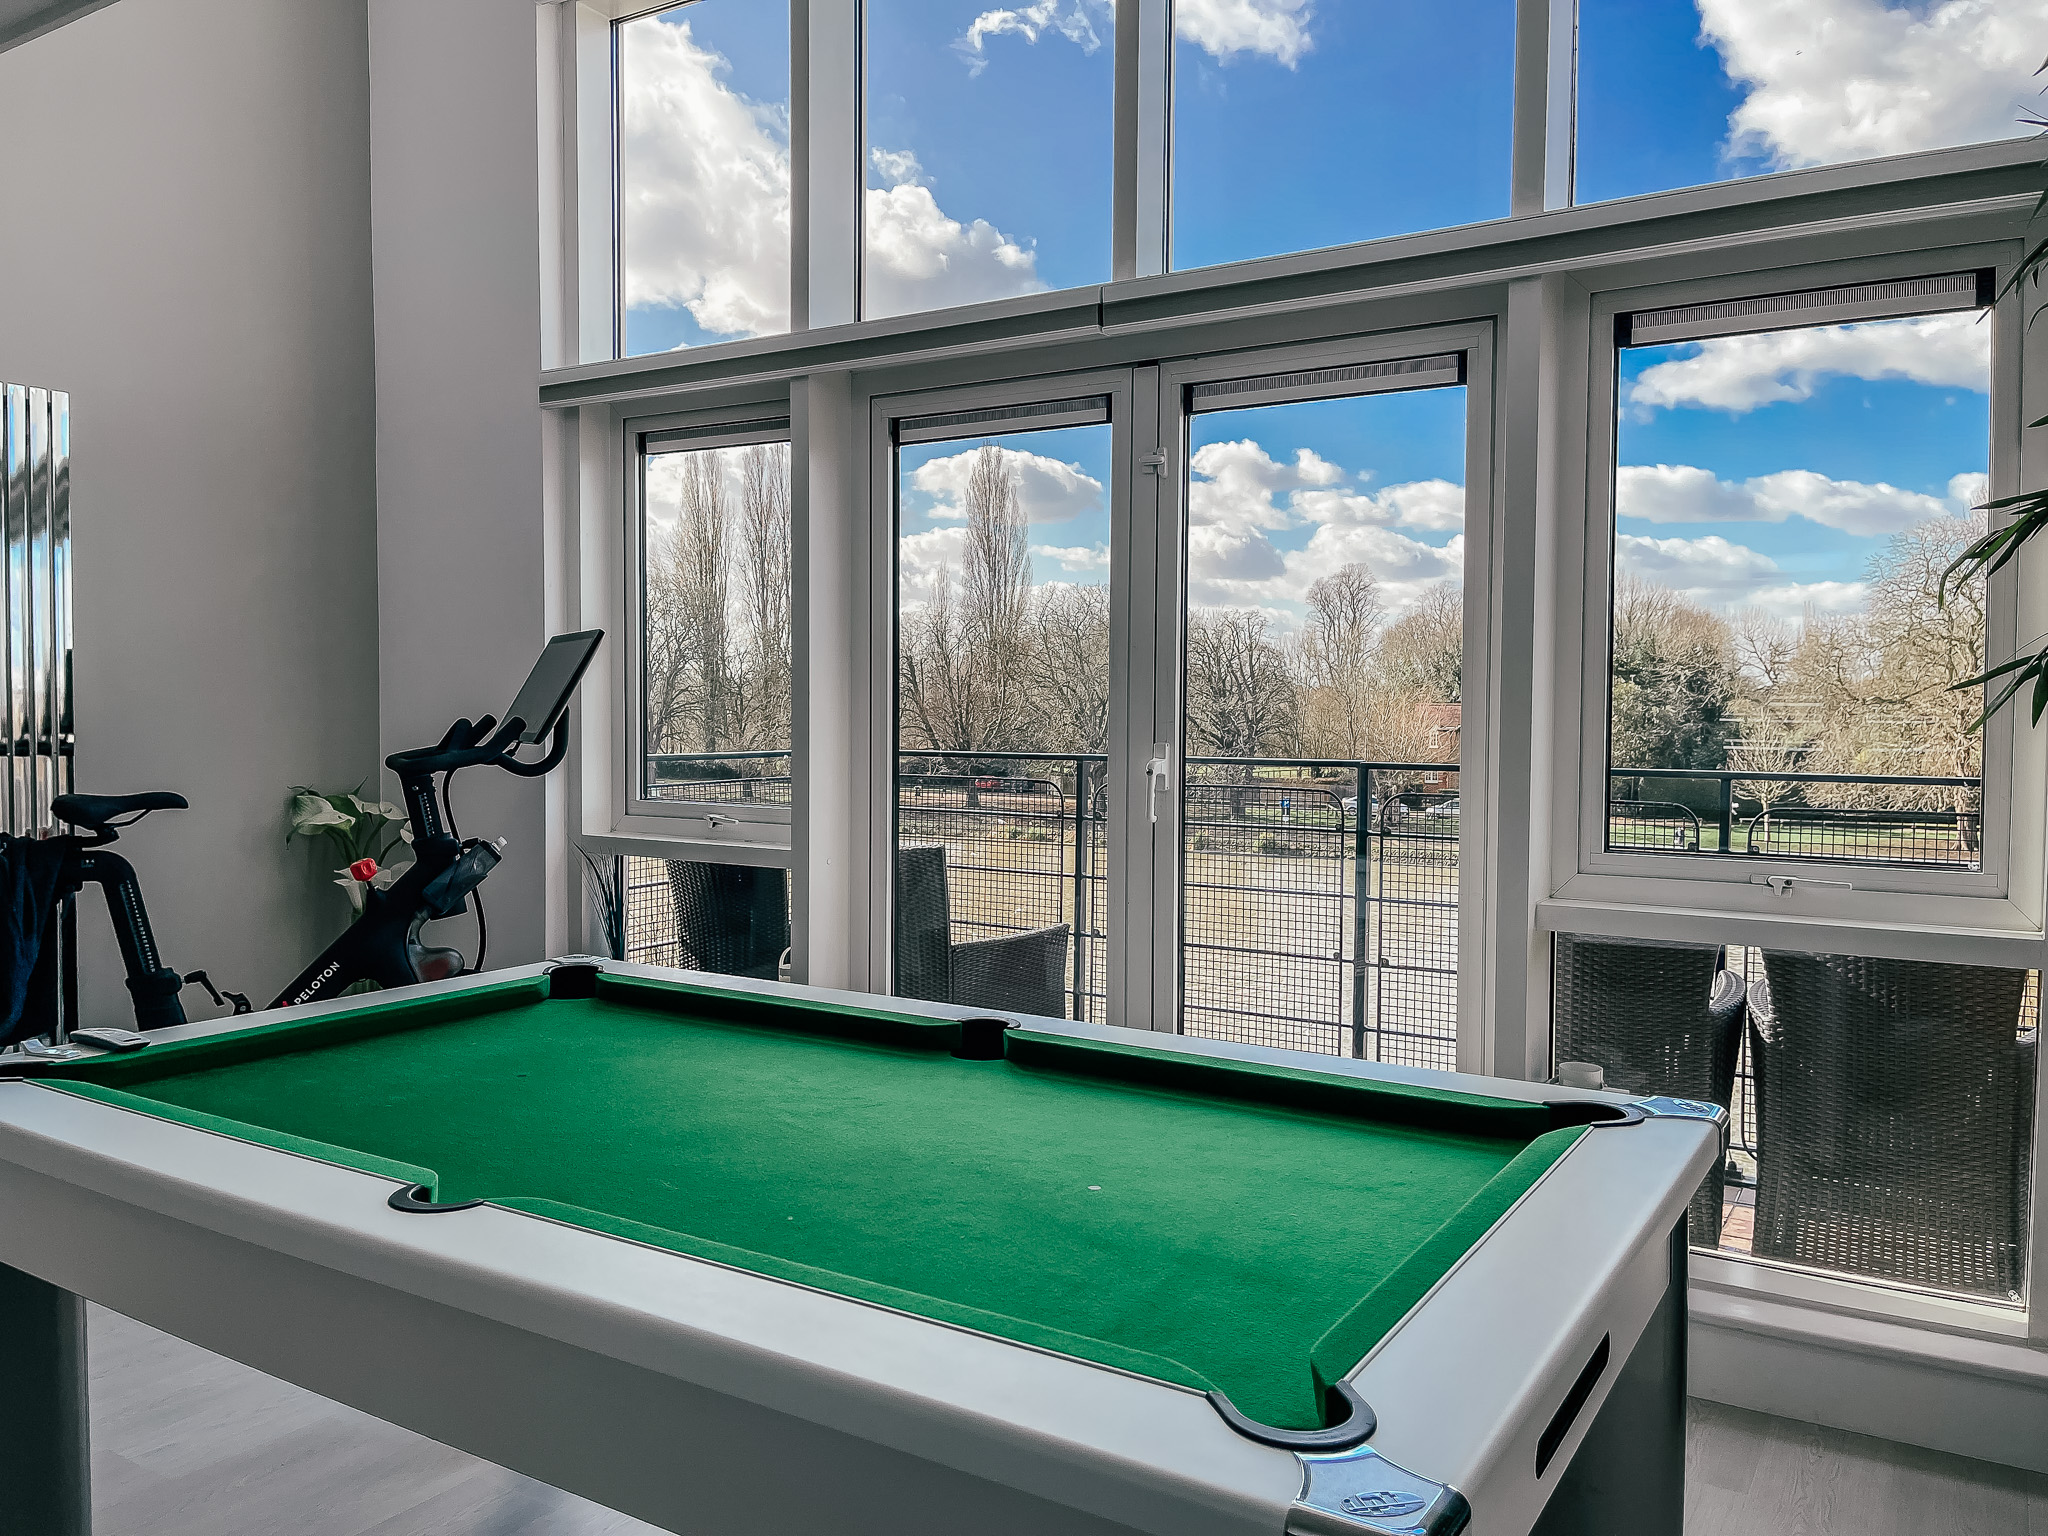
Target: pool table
740,1257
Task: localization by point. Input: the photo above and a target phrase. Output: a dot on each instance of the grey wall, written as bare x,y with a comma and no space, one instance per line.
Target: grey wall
460,536
186,250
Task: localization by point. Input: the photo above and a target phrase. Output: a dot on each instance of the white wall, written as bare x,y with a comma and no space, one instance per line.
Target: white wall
186,250
460,535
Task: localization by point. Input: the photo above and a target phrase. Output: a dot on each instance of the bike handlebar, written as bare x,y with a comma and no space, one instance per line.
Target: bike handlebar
476,745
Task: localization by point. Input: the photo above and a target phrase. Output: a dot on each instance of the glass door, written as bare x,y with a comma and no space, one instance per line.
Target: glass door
1314,872
1002,596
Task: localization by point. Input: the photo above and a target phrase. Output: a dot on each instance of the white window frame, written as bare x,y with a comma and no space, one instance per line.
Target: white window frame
713,820
879,620
1922,909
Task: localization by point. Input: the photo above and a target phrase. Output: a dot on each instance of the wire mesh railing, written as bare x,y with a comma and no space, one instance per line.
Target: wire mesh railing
1914,821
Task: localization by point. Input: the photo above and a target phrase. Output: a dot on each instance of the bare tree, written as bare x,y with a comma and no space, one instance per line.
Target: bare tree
1242,698
1336,657
1424,652
1070,667
765,581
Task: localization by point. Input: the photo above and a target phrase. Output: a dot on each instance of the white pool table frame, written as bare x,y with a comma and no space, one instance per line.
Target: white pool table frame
705,1398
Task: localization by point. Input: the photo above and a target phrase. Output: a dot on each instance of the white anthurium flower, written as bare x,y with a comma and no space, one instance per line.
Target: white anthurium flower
382,808
353,886
385,876
310,813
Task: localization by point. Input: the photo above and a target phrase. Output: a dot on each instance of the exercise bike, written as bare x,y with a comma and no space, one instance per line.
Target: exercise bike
384,943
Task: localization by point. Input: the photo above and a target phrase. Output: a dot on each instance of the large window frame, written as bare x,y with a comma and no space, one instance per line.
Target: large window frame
1533,281
2006,891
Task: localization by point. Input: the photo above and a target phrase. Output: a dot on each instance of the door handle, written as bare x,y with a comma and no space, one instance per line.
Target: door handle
1160,772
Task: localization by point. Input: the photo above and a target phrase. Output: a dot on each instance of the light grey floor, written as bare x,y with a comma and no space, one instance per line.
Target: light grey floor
186,1442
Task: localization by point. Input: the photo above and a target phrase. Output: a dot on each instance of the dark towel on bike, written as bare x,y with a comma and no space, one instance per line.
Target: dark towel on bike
30,870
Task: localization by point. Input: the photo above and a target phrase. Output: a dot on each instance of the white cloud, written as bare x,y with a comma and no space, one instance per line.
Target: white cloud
1278,29
1273,29
1716,573
1081,559
919,258
1853,78
1075,22
1740,373
1684,493
920,557
705,195
1047,490
1238,495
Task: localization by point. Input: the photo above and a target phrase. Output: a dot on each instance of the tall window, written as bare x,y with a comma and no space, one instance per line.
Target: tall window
1673,93
715,621
1323,666
988,150
1784,657
1297,126
1002,712
703,156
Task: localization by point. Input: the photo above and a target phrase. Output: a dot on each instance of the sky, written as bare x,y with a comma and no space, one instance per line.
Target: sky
1758,471
1062,477
1768,470
1298,124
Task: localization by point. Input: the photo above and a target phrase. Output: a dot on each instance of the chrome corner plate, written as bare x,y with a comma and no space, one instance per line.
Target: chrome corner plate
1361,1493
1662,1108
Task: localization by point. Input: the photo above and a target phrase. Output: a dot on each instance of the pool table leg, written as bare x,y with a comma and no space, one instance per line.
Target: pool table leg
45,1468
1629,1473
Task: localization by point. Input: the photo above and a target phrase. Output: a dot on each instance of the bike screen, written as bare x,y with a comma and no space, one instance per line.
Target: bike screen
553,679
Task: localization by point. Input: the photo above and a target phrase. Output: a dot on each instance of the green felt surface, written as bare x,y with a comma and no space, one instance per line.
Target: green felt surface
1252,1229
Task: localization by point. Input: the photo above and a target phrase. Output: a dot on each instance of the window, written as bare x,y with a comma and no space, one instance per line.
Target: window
1324,657
1783,658
1002,706
988,151
703,175
714,566
1673,93
1297,126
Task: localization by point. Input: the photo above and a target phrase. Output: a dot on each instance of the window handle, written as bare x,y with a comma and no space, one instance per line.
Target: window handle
1160,771
1782,885
1155,463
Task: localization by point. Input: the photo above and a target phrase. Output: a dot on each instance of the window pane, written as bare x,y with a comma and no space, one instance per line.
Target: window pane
703,175
1001,720
1781,664
1881,1109
1297,126
716,595
988,152
728,919
1323,666
1674,94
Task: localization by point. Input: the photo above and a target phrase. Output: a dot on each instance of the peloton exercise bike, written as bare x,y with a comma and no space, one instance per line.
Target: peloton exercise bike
384,943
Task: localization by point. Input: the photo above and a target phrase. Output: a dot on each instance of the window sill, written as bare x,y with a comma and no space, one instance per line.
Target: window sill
1999,934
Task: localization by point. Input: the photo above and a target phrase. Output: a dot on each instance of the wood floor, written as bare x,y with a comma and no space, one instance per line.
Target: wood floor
188,1444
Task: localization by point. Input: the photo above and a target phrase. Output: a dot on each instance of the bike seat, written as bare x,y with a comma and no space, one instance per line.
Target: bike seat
94,812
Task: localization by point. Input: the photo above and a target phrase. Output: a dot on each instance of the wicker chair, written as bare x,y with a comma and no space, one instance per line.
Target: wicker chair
1659,1018
1895,1105
731,919
1021,972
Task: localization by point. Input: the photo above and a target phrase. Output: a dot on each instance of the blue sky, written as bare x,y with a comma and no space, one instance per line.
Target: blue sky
1769,470
1298,124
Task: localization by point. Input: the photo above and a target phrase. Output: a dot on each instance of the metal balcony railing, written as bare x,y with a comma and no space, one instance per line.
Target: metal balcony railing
1319,898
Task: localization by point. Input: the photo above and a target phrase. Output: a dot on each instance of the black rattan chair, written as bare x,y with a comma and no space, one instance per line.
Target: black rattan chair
731,919
1023,972
1895,1105
1658,1017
